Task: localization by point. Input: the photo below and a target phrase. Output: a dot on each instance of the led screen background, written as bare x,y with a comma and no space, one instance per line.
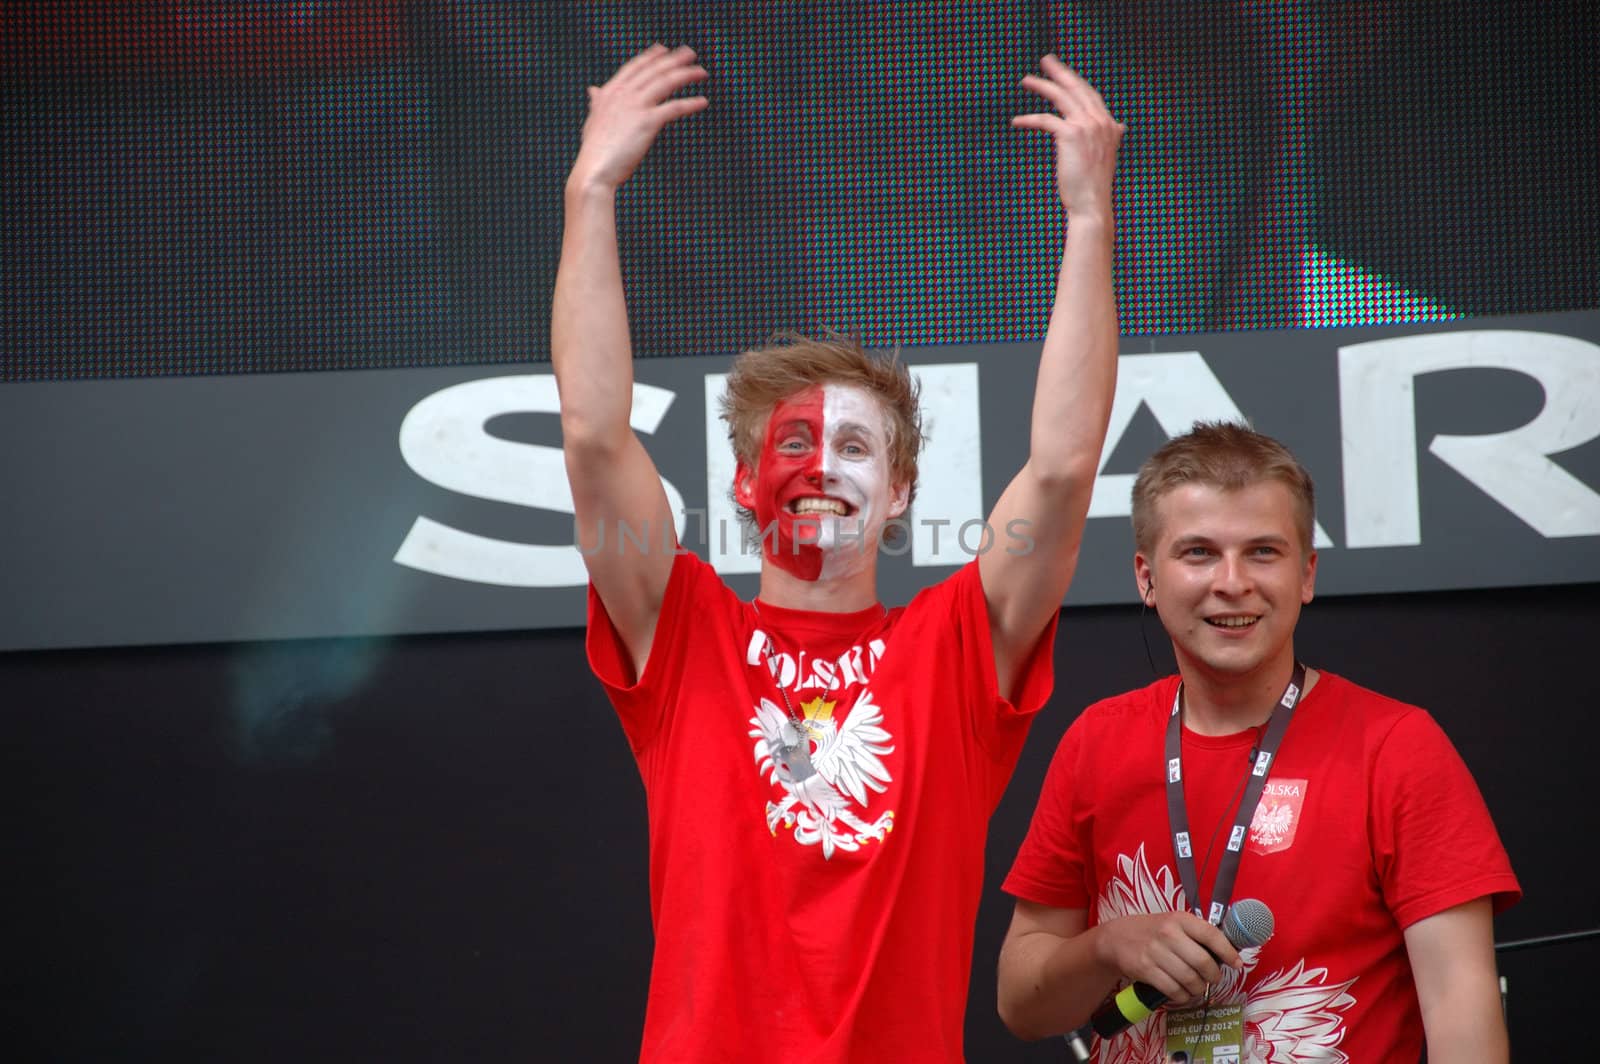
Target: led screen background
244,187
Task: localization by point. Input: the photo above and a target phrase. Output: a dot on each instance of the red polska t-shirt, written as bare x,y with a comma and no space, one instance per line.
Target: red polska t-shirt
1369,822
827,918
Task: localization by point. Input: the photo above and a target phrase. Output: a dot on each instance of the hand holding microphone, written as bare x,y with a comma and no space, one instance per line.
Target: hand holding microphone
1248,923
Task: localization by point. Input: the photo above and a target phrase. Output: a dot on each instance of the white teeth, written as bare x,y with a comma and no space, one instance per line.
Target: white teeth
819,506
1232,622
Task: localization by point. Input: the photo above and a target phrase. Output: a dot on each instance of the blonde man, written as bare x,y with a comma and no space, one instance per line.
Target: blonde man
1249,775
819,769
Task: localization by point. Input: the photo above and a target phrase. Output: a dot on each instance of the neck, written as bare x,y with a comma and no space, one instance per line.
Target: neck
840,594
1221,704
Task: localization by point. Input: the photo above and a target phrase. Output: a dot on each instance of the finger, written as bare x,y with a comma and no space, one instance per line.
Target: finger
1171,960
1069,79
673,110
1042,121
1191,968
1210,938
1167,986
640,61
659,63
1053,92
1185,982
1208,968
672,80
1075,83
1218,948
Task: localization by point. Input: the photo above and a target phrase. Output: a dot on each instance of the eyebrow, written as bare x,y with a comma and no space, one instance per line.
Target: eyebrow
1184,542
858,429
791,424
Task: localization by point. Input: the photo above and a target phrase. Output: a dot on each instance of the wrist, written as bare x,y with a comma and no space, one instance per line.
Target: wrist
1100,954
586,189
1088,221
1106,966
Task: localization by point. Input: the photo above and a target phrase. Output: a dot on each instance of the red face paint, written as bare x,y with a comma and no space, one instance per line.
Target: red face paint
791,467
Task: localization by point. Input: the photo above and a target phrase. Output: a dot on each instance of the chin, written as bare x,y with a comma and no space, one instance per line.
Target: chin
837,564
1238,664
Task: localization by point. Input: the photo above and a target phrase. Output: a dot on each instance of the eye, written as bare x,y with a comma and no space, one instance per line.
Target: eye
854,450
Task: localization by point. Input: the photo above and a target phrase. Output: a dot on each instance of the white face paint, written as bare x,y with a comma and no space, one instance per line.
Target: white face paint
856,471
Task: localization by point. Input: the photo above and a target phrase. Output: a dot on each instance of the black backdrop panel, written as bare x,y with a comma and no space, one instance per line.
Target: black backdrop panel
434,848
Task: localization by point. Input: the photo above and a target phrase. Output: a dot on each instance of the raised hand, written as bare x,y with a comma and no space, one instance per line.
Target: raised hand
1085,135
1177,953
627,112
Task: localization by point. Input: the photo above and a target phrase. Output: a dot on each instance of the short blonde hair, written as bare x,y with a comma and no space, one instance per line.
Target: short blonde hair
1224,455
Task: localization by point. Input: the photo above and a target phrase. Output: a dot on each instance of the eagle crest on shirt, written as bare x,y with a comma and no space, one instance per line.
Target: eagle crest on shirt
1291,1014
827,807
1272,823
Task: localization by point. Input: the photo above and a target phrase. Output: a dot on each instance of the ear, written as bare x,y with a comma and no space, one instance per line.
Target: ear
744,485
1144,578
900,499
1308,580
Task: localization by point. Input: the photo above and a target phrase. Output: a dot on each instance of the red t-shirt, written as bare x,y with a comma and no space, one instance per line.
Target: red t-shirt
1369,822
828,919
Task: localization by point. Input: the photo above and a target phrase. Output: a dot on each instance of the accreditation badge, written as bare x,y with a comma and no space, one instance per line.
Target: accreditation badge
1213,1035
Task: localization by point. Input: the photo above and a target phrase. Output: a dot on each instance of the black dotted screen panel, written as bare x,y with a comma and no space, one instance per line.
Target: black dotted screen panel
233,187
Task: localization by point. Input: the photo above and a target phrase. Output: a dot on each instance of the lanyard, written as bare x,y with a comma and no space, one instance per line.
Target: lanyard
1178,813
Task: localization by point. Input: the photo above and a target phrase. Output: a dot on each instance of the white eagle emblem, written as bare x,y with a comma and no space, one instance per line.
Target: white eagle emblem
822,766
1272,822
1290,1014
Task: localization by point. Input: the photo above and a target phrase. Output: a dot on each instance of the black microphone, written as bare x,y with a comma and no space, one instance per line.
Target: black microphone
1248,923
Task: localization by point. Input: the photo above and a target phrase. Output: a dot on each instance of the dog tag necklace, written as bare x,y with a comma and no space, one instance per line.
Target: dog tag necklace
793,749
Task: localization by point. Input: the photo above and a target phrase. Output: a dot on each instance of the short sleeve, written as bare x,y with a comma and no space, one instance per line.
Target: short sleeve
1001,724
641,701
1434,843
1050,867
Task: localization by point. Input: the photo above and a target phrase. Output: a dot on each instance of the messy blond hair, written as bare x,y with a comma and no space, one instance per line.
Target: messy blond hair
1224,455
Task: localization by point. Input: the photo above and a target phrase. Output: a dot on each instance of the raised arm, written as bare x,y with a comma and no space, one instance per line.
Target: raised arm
614,482
1055,969
1077,376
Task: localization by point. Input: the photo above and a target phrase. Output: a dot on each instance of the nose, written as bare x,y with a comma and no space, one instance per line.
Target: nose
1231,578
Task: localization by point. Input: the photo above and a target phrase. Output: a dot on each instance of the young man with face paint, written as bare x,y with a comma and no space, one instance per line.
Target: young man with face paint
820,769
1248,775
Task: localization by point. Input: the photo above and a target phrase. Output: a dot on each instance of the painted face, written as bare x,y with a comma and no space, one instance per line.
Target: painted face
823,483
1229,577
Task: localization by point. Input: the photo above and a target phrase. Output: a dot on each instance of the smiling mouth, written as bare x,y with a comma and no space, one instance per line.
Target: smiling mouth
814,505
1233,623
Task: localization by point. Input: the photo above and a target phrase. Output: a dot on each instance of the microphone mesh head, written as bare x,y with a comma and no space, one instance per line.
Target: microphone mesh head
1248,923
